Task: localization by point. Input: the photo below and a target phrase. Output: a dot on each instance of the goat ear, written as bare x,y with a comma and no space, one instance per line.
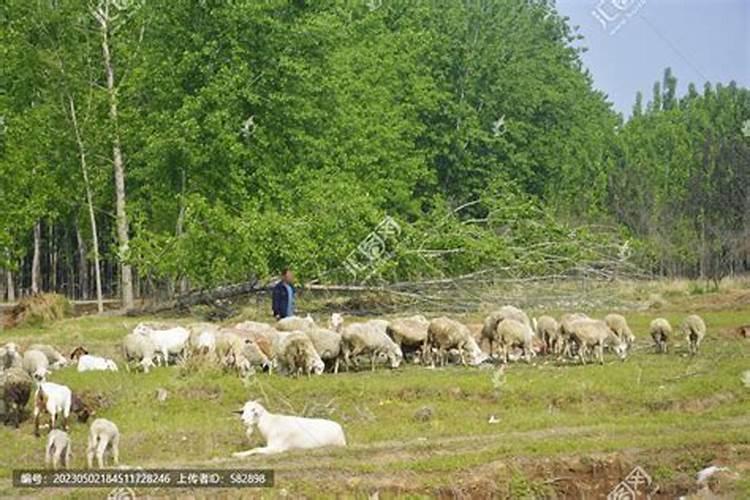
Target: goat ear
238,412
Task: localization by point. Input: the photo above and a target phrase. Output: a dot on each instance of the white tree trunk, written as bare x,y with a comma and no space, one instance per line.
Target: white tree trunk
10,286
90,203
36,267
126,272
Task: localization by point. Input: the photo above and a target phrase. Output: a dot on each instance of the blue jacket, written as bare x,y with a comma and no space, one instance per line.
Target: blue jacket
280,300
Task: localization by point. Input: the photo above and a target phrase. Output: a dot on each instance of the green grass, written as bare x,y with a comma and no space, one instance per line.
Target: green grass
672,413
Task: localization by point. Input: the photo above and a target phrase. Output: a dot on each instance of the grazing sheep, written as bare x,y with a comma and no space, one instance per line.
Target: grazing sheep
409,333
565,332
103,434
88,362
10,357
295,323
595,334
15,390
369,338
490,322
171,341
138,348
336,323
54,399
58,446
297,354
254,327
328,345
512,333
202,338
694,329
287,432
619,325
548,330
660,330
55,359
445,334
35,363
239,352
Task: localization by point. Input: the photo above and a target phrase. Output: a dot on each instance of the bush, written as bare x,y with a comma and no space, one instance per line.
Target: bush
41,308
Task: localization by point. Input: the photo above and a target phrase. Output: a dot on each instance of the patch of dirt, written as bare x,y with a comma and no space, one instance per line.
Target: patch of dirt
694,405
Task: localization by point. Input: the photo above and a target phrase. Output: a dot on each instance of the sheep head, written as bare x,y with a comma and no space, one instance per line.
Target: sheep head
251,413
336,322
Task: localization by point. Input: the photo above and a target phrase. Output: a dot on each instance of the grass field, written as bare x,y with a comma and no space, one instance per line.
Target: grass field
564,430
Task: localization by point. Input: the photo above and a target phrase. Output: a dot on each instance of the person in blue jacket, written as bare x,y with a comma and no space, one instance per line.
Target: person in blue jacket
284,295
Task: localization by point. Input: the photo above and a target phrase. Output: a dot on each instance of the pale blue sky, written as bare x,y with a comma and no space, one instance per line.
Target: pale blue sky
701,40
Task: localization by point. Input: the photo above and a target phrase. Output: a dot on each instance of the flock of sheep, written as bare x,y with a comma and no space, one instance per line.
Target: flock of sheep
297,345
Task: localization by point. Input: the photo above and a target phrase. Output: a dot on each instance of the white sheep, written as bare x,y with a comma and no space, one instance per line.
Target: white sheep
240,351
445,334
328,345
369,338
409,333
565,332
287,432
36,364
660,330
295,323
139,348
202,337
296,354
55,359
511,333
548,331
170,341
103,434
595,334
87,362
54,399
489,326
10,357
58,447
619,325
694,329
254,327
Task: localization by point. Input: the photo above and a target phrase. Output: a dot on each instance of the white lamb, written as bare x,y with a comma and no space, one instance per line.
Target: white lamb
58,447
103,434
88,363
286,432
54,399
171,341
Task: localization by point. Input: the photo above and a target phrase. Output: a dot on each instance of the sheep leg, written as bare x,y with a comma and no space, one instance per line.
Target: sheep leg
90,452
67,457
600,353
36,421
336,366
100,452
115,446
56,458
264,450
48,455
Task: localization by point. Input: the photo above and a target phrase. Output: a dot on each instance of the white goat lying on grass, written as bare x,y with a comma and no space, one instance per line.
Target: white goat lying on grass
87,363
286,432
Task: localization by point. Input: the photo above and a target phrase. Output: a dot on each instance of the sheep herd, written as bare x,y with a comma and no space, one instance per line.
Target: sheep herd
299,346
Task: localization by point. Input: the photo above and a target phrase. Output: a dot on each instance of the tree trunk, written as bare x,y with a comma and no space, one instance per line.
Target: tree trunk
10,286
92,216
183,285
83,266
36,268
126,273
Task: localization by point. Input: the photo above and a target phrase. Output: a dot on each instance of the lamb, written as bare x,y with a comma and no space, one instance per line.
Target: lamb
490,322
510,333
15,389
35,363
295,323
619,325
136,347
10,357
103,434
328,345
445,334
590,333
548,330
409,333
88,362
55,359
171,341
58,446
297,354
369,338
694,329
287,432
54,399
660,330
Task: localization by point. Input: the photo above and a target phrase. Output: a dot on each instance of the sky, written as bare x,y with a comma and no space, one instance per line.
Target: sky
630,42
